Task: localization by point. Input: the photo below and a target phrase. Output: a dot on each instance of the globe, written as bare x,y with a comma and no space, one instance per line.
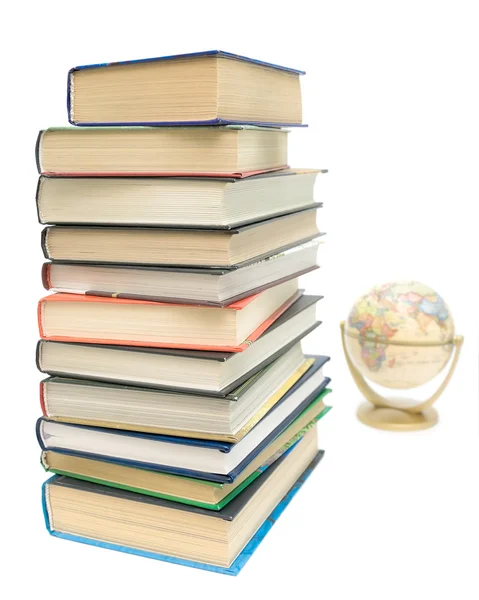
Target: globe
399,335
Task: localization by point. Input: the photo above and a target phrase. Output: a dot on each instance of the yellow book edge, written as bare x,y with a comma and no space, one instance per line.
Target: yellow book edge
239,435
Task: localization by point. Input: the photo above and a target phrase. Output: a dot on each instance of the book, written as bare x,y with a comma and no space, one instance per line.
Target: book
209,202
131,408
231,151
213,373
73,317
203,459
207,494
179,247
210,87
120,520
201,285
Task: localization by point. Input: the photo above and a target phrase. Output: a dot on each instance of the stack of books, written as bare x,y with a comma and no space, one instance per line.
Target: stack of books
180,411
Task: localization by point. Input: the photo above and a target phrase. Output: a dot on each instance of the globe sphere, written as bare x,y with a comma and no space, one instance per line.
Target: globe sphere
400,335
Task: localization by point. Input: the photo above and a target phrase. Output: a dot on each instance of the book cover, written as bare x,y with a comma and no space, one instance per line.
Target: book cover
240,561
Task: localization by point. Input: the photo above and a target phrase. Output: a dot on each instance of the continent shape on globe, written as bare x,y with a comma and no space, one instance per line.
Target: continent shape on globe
400,335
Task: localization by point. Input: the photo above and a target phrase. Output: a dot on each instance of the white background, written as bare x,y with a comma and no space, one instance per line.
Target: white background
391,99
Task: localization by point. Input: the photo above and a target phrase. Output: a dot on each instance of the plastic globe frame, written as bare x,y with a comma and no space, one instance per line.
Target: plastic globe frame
381,413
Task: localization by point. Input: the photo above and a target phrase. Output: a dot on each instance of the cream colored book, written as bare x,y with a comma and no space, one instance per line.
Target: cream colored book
203,87
219,202
201,285
230,151
180,247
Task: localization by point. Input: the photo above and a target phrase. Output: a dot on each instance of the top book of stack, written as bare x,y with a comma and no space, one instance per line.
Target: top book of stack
203,88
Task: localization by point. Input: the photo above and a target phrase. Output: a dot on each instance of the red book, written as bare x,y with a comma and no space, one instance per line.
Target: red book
120,321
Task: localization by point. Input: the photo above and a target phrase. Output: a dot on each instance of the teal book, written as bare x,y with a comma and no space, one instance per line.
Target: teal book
200,536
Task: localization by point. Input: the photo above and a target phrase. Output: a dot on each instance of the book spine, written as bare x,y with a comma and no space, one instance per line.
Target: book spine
46,513
39,434
70,98
44,243
37,196
47,284
37,151
38,356
44,461
42,398
40,319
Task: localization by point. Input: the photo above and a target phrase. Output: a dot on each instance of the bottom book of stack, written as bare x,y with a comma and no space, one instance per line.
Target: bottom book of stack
220,541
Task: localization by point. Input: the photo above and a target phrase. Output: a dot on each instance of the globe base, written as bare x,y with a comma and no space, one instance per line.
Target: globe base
395,419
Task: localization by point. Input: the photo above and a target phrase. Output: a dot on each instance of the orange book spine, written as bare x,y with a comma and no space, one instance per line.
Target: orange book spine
235,175
145,344
40,318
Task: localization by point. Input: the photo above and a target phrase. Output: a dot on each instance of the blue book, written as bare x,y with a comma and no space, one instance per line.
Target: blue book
101,499
200,88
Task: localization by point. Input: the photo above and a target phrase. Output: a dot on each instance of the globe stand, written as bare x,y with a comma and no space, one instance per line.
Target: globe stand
396,419
383,413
